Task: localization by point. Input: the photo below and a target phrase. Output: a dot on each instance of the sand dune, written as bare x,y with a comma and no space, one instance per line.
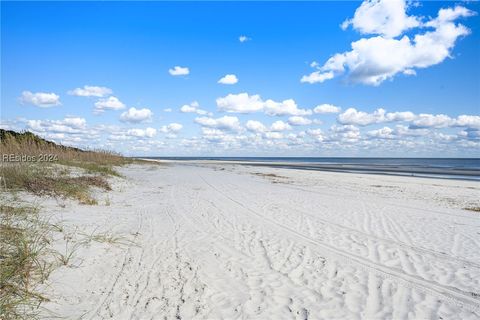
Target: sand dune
236,242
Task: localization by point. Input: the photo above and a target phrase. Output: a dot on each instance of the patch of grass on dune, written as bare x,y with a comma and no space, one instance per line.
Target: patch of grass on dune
53,177
41,179
29,144
24,259
93,168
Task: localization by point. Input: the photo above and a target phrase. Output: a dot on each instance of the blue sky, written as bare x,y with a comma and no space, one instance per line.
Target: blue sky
421,67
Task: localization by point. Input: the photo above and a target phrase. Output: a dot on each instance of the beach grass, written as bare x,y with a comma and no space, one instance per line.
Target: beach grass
24,259
30,164
475,209
33,149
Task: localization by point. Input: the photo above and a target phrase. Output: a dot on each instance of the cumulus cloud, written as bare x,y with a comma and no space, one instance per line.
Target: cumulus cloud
240,103
171,128
345,133
179,71
255,126
432,121
110,103
468,121
67,125
317,134
299,121
383,133
401,130
398,132
383,17
326,108
274,135
280,126
135,115
193,107
355,117
225,122
376,59
90,91
245,103
142,133
228,79
317,76
243,38
40,99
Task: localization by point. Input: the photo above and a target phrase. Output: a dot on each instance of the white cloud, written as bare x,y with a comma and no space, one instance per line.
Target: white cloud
406,131
352,116
110,103
171,128
326,108
383,17
142,133
40,99
255,126
135,115
274,135
299,121
432,121
243,38
225,122
188,108
399,116
468,121
241,103
167,110
374,60
286,107
317,76
228,79
317,134
75,122
245,103
280,126
345,133
67,125
90,91
396,133
193,108
179,71
383,133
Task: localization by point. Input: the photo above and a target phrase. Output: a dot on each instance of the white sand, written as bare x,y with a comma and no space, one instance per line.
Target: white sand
220,242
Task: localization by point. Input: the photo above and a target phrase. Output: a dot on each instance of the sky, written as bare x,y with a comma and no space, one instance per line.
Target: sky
362,79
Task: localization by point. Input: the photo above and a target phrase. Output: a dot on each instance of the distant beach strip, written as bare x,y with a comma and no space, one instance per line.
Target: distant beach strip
452,168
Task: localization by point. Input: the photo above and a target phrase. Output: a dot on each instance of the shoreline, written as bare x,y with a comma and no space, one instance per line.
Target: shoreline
389,170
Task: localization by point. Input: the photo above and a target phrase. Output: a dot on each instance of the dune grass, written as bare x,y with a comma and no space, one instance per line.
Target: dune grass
41,151
24,259
43,168
42,179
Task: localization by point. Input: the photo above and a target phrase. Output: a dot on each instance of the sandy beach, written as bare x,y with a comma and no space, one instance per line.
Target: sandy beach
219,241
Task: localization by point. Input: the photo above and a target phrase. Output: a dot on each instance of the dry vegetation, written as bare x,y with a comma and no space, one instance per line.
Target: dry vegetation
476,209
51,170
24,260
